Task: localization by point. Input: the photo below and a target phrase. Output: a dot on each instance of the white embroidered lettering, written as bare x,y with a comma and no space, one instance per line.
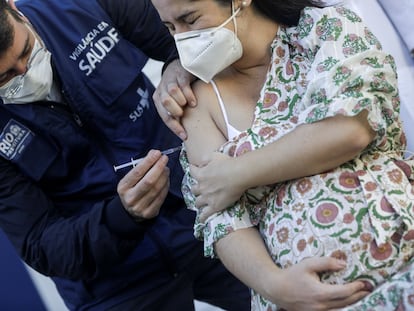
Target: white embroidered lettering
142,105
12,139
98,51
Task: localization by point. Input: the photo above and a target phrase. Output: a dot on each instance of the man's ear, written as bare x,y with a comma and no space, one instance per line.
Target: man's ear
13,6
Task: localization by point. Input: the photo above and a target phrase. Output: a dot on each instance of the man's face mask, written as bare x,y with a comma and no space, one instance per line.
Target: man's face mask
206,52
36,83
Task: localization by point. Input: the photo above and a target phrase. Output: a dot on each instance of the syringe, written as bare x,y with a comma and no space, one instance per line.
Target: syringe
134,162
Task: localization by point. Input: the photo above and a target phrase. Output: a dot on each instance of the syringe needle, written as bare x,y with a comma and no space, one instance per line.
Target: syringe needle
171,150
134,162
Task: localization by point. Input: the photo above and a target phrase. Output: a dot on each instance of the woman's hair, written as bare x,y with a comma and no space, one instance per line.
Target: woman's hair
284,12
6,28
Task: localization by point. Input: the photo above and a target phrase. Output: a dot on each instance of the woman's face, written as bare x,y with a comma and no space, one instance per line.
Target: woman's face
187,15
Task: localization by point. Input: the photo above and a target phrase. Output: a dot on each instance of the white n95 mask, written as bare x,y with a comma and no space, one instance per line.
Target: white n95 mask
206,52
36,83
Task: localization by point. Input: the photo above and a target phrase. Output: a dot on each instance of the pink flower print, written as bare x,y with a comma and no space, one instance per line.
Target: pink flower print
349,180
267,132
298,207
395,102
282,235
326,212
294,119
388,112
271,228
320,68
370,186
386,206
396,237
243,148
404,166
289,68
409,235
381,252
269,100
280,52
229,229
338,254
301,245
365,237
361,173
303,186
376,168
299,48
384,275
281,195
352,37
329,29
348,218
232,150
303,83
395,176
382,143
282,106
349,198
386,226
411,299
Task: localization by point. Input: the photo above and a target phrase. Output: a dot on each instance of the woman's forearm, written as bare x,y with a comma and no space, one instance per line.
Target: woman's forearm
308,150
244,254
296,288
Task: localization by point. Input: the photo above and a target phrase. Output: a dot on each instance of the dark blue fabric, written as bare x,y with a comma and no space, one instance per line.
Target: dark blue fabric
58,200
17,289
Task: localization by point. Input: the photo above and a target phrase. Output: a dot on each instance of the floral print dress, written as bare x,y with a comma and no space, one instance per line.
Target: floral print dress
361,212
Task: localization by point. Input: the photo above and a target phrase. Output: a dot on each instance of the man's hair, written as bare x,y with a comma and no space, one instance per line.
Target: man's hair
6,28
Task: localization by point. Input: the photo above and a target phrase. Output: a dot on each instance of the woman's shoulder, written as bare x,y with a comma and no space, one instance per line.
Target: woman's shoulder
338,11
207,101
318,26
204,94
316,20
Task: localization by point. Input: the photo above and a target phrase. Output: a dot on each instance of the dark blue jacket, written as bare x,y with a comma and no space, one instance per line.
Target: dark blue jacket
58,200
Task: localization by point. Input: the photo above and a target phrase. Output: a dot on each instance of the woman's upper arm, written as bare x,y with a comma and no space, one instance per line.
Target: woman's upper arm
204,136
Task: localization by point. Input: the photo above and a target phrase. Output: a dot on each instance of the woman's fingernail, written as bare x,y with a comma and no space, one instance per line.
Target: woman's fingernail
182,136
342,262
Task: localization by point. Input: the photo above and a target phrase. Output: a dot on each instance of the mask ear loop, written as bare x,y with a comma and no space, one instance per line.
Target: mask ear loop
233,15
